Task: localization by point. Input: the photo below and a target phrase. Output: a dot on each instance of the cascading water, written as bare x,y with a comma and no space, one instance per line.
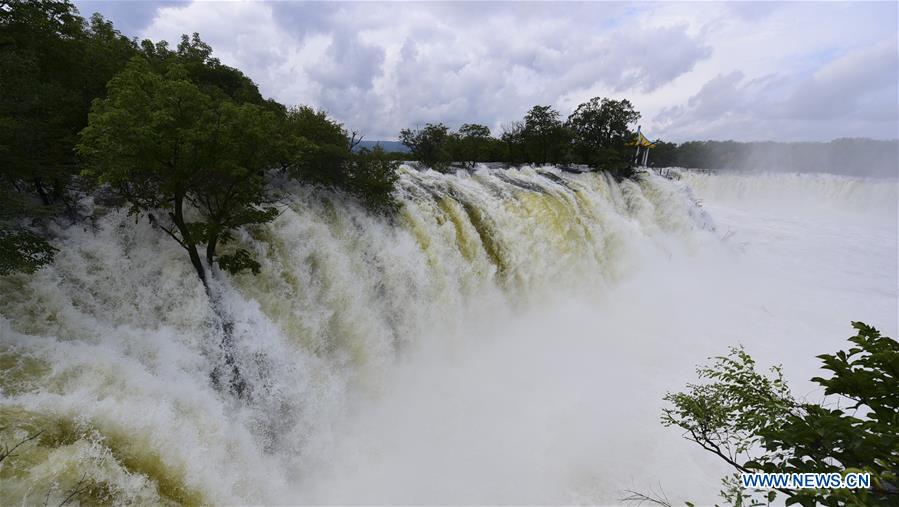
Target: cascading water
809,191
507,337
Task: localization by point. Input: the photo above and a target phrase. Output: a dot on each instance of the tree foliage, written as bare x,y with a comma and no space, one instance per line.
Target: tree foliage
371,177
190,142
596,134
208,73
544,135
186,139
471,143
164,143
751,420
600,129
320,151
23,251
429,145
53,63
513,142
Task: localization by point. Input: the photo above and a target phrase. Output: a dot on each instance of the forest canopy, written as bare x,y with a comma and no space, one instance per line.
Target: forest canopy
192,145
166,129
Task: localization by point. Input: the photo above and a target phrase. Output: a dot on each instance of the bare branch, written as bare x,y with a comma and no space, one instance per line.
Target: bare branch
7,452
76,490
641,498
154,222
353,141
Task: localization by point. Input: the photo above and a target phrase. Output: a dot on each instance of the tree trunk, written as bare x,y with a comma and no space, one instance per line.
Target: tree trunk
229,373
198,264
189,244
210,248
42,192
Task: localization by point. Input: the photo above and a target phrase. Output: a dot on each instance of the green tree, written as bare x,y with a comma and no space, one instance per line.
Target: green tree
600,129
207,72
316,145
192,149
164,144
664,154
512,140
23,251
751,421
472,143
692,154
52,65
545,138
371,178
429,145
319,151
41,104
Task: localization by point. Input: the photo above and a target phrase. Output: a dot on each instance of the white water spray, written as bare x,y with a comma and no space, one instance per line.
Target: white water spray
507,339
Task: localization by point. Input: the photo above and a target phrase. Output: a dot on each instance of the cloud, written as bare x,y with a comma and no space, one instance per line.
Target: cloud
130,17
853,95
383,67
778,70
845,86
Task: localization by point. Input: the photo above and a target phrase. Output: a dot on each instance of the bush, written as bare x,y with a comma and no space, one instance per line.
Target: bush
751,421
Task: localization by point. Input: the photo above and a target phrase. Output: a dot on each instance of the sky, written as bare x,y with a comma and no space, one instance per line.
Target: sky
810,71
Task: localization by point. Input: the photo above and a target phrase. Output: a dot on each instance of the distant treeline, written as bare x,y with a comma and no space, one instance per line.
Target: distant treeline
598,134
864,157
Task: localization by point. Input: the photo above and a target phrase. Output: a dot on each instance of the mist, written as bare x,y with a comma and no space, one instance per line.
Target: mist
508,340
853,157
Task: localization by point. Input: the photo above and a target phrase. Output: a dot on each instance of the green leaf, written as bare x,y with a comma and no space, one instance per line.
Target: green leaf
240,260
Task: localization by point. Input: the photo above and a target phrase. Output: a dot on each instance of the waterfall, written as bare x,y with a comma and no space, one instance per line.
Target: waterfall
108,352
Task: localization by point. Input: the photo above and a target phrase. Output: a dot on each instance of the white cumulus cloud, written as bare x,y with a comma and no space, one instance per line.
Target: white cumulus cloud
695,70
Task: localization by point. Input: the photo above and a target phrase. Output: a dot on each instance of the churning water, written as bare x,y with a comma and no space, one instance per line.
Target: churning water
507,338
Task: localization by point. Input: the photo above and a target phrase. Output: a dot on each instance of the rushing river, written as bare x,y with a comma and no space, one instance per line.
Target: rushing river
506,338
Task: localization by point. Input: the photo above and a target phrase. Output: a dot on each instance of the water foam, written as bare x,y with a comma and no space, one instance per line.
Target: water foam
506,338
